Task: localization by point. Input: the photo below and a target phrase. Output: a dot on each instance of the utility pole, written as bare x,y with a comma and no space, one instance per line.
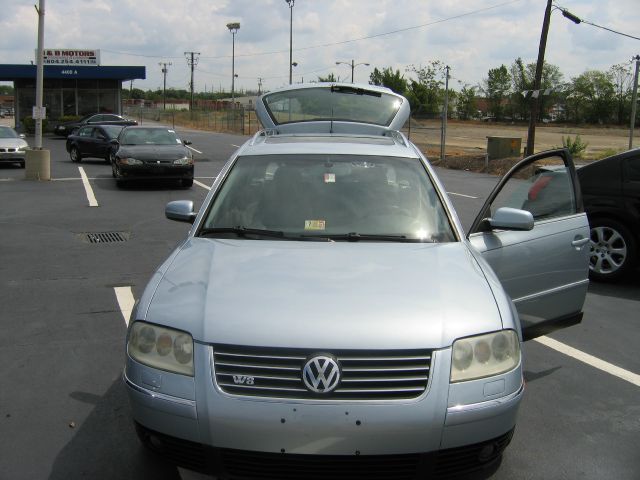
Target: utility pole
291,4
259,85
192,61
443,131
535,96
634,101
164,84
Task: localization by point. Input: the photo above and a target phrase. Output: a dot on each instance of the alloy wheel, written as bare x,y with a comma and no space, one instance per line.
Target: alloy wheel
608,250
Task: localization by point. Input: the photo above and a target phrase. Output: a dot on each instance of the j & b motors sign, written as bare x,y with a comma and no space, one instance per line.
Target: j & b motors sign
67,56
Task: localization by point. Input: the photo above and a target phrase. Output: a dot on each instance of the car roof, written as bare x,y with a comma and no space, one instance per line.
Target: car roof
266,142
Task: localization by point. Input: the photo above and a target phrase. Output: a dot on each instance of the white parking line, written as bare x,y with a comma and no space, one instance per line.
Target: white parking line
591,360
461,195
191,148
124,295
237,146
200,184
87,188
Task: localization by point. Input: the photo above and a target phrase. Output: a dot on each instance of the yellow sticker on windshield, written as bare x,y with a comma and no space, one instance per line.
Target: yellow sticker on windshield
314,224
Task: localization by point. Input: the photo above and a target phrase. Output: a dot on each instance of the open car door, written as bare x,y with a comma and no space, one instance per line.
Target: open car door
542,265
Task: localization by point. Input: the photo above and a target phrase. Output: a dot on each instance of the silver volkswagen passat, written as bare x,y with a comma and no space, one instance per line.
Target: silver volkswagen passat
328,317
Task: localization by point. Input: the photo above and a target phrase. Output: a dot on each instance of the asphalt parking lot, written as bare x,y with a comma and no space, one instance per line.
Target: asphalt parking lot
64,302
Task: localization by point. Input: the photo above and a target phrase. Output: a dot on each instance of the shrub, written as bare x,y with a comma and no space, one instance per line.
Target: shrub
29,125
607,153
69,118
576,146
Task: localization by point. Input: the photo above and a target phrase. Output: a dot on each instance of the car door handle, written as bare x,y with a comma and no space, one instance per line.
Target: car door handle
580,242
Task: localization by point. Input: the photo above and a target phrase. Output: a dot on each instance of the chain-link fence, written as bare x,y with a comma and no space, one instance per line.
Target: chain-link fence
239,121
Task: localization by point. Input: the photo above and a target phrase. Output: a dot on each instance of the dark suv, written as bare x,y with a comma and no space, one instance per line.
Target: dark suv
611,192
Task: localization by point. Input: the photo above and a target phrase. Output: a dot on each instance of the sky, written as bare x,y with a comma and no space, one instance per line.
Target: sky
471,36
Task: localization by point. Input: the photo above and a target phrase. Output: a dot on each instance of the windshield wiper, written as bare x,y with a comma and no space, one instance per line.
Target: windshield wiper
241,231
354,90
356,237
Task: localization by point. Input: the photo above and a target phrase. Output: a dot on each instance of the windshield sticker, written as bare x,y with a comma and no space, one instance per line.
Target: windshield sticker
314,224
329,178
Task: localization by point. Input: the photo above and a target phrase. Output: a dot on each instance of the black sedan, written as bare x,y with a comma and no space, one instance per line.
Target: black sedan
92,141
65,129
151,152
611,192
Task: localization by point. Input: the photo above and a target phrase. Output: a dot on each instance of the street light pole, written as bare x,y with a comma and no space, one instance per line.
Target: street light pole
634,101
291,3
352,65
164,84
233,28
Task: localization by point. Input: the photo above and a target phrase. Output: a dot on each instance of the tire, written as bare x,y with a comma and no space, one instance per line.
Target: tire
75,155
120,183
612,250
186,182
22,164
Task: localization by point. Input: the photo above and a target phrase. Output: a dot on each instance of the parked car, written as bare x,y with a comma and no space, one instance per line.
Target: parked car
151,152
327,314
13,146
611,193
92,141
65,129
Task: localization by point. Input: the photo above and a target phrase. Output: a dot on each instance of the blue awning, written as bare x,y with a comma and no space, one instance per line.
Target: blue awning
16,72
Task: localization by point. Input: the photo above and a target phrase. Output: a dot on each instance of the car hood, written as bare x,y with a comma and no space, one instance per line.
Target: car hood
340,295
153,152
12,143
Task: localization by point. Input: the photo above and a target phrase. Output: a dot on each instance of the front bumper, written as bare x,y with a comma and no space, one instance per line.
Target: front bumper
155,170
12,156
434,424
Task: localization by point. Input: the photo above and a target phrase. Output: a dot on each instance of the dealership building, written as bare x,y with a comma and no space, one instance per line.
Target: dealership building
74,84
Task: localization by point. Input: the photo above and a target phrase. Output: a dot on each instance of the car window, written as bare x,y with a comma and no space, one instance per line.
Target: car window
110,118
85,131
331,195
544,190
6,132
96,119
336,103
149,136
633,169
112,131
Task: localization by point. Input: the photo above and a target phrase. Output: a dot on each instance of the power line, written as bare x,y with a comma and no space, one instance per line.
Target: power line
331,44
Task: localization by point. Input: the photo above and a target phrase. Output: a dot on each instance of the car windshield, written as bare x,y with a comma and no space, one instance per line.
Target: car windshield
149,136
6,132
339,197
112,130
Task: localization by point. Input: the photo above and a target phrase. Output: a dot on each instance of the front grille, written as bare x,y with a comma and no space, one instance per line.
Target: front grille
365,374
239,464
105,237
5,150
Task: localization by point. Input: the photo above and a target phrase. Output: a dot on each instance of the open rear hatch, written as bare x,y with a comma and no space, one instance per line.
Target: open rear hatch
333,108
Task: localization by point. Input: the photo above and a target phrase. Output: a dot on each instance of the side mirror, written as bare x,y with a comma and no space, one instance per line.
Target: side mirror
186,142
180,211
507,218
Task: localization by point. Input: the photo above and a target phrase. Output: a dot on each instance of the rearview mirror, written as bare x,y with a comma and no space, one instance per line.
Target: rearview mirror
507,218
180,211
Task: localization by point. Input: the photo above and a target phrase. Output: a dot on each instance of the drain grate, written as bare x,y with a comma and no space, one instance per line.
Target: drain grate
105,237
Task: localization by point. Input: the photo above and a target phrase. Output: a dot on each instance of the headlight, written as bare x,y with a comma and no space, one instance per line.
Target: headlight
160,347
183,161
484,355
23,149
129,161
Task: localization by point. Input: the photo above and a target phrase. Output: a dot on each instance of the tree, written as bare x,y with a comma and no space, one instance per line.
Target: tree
426,93
496,88
6,90
591,97
466,105
522,80
390,79
329,78
622,79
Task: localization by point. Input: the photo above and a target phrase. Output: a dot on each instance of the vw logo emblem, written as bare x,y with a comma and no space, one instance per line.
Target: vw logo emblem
321,374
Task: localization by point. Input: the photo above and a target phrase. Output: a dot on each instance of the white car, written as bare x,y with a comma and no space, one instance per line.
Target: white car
13,146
